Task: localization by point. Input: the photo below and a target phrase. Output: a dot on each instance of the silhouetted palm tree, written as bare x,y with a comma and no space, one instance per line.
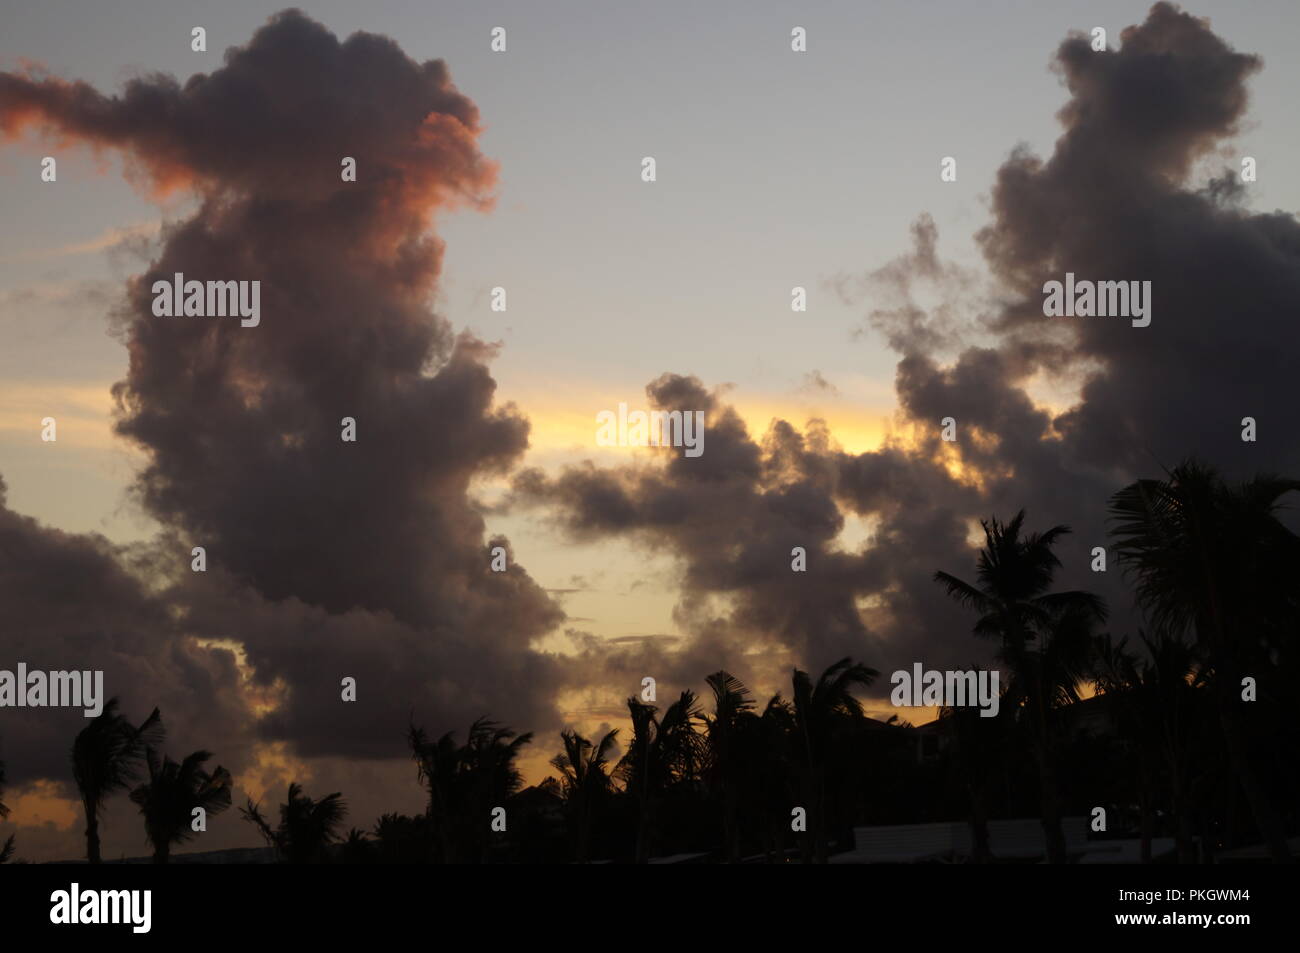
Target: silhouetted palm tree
105,759
404,840
1212,560
1155,707
466,783
770,762
307,828
357,848
726,732
168,798
437,765
585,783
1044,639
821,712
976,749
663,752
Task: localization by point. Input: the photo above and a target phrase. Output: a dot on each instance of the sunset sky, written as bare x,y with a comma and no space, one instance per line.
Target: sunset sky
775,169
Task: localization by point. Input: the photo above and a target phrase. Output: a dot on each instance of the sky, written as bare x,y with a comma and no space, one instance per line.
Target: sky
775,169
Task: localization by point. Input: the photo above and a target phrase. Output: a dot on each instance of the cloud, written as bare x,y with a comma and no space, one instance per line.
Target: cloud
1116,200
733,516
111,239
76,602
330,559
901,290
815,383
327,558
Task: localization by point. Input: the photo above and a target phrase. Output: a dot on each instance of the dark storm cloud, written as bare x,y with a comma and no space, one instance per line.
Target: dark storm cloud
276,119
734,515
1117,200
327,558
70,604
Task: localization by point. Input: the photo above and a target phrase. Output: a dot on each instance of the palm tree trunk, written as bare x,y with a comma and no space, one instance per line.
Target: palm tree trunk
1182,804
643,817
810,851
1051,809
1182,812
92,836
1232,822
1205,818
1050,800
643,832
162,854
730,831
1261,804
1145,822
981,853
583,834
820,845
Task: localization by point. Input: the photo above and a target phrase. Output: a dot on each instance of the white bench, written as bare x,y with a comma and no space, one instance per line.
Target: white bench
1016,839
1127,851
906,843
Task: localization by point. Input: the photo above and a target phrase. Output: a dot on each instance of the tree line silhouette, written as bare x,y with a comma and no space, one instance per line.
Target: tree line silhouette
1214,571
